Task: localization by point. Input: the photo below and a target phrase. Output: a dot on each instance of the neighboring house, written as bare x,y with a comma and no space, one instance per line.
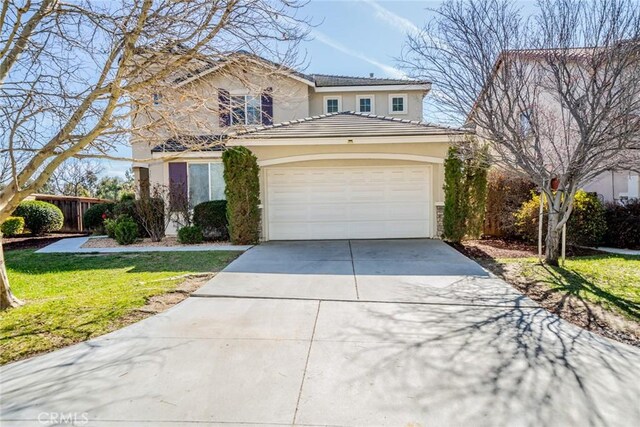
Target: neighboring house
611,185
340,157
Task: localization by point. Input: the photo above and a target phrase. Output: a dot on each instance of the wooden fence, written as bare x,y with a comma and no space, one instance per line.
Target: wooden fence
73,209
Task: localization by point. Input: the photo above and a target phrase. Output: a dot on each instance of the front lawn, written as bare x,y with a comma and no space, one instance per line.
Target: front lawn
71,298
611,281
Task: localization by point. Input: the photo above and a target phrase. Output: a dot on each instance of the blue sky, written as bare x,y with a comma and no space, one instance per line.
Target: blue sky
352,37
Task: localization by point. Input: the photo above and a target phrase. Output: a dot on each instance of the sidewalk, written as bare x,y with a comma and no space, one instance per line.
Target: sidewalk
618,251
74,245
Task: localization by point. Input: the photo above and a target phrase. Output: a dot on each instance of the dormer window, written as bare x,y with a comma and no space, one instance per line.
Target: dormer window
398,104
332,104
245,110
365,104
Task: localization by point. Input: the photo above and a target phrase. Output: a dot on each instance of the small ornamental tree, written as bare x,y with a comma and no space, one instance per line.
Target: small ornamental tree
476,169
243,195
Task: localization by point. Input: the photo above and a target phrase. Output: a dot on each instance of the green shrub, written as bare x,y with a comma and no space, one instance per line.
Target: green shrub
586,225
505,195
126,230
211,217
110,227
12,226
243,195
526,219
40,217
93,218
455,197
190,234
465,189
623,224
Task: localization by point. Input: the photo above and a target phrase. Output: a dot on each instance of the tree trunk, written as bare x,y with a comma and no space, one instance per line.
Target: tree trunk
7,300
552,242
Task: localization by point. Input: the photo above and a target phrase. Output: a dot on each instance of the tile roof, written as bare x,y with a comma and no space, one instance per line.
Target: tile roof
326,80
345,124
192,143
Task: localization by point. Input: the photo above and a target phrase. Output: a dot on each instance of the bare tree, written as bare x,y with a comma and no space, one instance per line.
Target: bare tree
72,74
75,177
555,92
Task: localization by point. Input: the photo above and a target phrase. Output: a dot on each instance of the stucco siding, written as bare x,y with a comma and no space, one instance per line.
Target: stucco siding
381,102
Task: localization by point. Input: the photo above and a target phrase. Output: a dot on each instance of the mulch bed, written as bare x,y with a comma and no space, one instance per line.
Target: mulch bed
28,241
169,241
585,314
499,248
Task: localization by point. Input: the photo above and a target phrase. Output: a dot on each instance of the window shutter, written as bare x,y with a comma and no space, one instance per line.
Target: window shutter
266,107
224,107
178,191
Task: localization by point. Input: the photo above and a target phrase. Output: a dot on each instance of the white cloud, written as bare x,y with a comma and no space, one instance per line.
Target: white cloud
387,69
393,19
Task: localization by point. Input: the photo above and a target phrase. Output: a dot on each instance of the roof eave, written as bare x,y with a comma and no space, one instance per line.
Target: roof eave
375,87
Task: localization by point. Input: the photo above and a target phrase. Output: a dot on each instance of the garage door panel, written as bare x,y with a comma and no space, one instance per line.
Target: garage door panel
349,202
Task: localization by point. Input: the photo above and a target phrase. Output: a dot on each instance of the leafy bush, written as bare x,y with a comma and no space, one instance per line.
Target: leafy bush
505,195
211,217
190,234
455,196
93,218
623,225
126,230
586,225
40,217
110,227
526,219
12,226
243,195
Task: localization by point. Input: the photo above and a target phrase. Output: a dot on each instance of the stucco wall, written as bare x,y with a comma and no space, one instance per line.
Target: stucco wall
381,102
612,185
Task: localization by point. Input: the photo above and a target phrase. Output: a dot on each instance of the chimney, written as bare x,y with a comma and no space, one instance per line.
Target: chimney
370,75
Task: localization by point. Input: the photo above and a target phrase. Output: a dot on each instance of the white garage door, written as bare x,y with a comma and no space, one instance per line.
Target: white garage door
348,202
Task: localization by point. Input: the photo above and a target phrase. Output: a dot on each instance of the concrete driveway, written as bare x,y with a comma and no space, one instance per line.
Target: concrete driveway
400,333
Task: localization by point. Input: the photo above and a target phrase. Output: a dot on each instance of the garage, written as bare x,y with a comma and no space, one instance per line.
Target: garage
360,202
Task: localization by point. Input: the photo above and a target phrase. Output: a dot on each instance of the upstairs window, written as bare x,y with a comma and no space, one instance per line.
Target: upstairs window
525,123
245,110
398,104
364,103
332,104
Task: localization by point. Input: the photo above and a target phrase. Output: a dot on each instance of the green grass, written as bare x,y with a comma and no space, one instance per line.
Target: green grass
612,281
71,298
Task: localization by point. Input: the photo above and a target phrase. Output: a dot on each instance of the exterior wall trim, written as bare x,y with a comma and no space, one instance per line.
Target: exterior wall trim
377,88
343,140
350,156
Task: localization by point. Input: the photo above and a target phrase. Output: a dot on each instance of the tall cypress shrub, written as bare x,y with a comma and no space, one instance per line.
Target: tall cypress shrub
243,195
477,168
455,197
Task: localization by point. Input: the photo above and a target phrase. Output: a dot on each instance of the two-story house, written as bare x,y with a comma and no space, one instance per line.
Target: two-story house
340,157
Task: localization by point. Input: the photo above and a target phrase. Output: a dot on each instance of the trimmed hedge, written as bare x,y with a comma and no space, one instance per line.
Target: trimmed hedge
12,226
190,234
40,217
211,217
586,225
93,218
243,195
623,225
